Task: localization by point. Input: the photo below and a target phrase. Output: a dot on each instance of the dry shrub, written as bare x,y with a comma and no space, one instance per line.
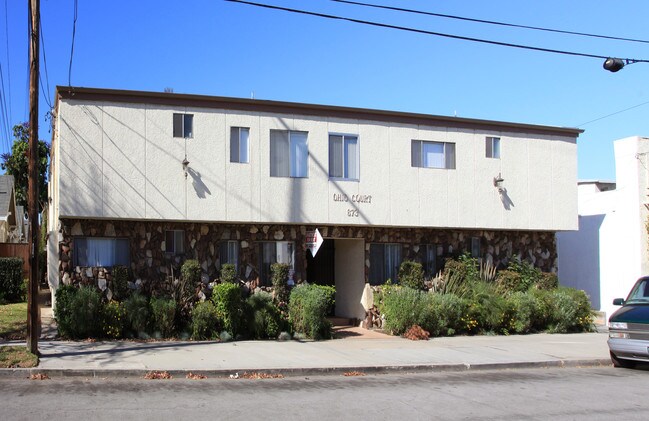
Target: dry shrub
193,376
257,376
353,374
158,375
416,333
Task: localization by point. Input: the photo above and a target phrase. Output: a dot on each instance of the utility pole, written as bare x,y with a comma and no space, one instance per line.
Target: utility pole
33,316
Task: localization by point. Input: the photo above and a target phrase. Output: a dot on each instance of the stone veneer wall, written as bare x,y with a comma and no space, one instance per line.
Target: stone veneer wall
153,266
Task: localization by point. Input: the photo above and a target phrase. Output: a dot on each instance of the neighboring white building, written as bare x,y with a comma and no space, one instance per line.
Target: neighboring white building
149,179
609,252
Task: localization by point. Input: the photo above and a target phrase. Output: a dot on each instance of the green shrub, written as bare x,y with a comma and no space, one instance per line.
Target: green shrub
411,275
450,311
228,273
120,283
330,292
307,309
402,308
264,320
163,311
63,310
488,311
279,277
529,274
526,308
229,306
11,279
571,311
86,313
190,271
205,321
509,281
547,281
137,314
465,266
543,309
114,320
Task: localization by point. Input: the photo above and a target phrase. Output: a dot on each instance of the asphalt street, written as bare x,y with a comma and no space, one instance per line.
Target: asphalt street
552,393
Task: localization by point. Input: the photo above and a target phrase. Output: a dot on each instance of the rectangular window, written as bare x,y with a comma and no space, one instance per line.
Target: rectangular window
475,247
105,252
239,144
274,252
289,154
493,147
425,154
175,241
429,260
183,125
229,253
384,262
343,157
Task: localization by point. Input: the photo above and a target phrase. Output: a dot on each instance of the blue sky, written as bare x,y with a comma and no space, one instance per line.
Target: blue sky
220,48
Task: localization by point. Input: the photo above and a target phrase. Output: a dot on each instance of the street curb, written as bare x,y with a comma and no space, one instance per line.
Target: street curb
18,373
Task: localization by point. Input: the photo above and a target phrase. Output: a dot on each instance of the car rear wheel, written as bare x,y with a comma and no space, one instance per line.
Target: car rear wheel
621,362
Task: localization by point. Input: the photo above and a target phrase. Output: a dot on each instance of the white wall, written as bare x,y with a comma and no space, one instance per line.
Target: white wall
609,252
121,161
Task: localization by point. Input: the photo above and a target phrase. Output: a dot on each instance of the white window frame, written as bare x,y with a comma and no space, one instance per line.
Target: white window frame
177,245
346,139
280,257
492,147
186,128
417,154
293,171
236,146
97,243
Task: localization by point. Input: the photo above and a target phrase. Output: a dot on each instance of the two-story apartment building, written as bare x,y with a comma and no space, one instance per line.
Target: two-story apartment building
148,179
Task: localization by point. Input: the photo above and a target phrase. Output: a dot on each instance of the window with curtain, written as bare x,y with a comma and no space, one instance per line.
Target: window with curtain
175,241
274,252
429,260
384,262
493,147
343,157
289,154
425,154
475,247
106,252
183,125
229,253
239,144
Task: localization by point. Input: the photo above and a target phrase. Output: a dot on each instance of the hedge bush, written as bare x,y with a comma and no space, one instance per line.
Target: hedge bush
163,312
411,274
137,314
330,292
205,321
404,307
228,273
11,279
229,304
120,283
264,319
63,310
79,312
548,281
114,320
279,276
307,309
190,271
570,311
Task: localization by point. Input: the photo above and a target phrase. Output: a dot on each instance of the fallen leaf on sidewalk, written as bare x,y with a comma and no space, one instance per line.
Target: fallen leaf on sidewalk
158,375
256,376
39,376
193,376
353,373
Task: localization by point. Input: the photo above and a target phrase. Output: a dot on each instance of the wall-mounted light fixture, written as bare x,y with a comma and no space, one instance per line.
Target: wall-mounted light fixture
498,183
185,165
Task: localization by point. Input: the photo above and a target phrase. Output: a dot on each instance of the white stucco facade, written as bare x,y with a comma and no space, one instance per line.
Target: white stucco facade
121,161
609,251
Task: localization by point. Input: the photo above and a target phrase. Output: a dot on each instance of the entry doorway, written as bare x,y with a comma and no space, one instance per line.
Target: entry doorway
340,263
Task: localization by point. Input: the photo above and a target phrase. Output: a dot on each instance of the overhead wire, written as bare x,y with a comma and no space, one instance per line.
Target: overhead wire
46,93
3,110
74,31
612,114
439,34
490,22
8,63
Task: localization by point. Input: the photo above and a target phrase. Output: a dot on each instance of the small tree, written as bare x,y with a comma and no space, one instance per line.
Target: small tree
411,274
279,277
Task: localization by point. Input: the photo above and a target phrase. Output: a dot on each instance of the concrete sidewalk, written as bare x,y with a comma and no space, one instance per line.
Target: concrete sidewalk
295,358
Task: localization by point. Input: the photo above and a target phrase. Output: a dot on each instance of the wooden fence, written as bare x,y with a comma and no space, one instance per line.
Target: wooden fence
17,250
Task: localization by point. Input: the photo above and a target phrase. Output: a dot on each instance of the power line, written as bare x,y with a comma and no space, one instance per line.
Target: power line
490,22
612,114
8,64
3,108
46,96
439,34
74,31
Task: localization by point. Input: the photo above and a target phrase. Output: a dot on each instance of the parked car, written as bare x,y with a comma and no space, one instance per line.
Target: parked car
628,327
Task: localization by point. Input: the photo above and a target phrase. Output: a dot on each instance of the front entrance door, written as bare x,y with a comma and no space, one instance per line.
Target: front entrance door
320,269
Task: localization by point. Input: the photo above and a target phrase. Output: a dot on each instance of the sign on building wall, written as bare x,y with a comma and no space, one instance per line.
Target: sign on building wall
313,241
